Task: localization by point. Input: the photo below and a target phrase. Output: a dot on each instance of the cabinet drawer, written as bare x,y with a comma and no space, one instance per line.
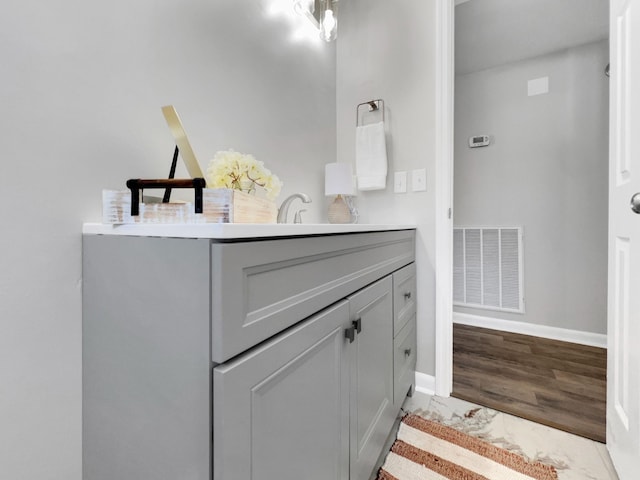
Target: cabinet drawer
260,288
404,361
404,297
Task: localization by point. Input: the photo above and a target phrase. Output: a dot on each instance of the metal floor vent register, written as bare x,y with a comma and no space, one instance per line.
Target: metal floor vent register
487,268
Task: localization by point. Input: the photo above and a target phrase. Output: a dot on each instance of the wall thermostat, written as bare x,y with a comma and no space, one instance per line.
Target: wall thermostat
479,141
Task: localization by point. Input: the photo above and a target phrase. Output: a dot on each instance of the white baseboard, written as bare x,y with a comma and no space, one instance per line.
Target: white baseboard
425,383
544,331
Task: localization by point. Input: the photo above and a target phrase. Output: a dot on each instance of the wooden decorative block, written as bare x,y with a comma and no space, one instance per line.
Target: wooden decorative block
220,205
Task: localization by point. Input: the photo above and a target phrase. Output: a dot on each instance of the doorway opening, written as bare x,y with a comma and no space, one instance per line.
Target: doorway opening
530,140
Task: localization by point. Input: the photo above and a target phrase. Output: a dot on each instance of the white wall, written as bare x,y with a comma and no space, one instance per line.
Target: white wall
386,50
546,170
82,84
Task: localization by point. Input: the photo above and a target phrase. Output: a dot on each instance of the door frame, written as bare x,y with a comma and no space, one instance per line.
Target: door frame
444,82
444,165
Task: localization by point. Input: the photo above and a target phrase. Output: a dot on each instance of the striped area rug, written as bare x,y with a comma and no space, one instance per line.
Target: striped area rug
426,450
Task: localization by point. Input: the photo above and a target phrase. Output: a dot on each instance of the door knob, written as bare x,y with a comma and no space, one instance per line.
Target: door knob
635,203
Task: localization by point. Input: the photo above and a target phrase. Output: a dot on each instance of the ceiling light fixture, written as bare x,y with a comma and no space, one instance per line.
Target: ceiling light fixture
322,14
306,8
328,22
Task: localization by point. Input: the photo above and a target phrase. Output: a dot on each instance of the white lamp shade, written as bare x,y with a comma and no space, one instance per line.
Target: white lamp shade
338,179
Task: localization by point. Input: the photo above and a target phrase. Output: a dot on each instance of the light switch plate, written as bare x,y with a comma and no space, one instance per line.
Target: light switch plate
400,182
419,180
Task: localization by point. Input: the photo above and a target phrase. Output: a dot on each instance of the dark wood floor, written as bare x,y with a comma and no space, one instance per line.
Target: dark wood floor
554,383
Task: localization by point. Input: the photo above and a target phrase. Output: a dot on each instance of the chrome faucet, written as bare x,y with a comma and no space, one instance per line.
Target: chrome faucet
283,211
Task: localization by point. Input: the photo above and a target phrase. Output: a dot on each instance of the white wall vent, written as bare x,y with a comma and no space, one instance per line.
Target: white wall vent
487,268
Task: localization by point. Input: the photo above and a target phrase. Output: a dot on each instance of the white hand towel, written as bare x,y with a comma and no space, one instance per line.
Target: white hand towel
371,157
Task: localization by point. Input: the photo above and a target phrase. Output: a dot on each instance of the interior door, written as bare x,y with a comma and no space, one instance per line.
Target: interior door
623,372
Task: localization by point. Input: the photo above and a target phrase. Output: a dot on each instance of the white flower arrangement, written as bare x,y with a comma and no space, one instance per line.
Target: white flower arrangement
230,169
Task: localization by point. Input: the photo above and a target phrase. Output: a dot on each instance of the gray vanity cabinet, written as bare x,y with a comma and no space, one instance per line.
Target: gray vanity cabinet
244,359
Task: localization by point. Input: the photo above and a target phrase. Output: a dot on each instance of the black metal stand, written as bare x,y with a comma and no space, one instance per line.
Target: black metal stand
136,185
172,174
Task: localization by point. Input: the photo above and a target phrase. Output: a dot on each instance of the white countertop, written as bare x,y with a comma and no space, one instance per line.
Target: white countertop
225,231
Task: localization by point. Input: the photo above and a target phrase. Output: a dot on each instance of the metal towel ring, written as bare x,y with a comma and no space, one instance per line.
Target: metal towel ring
374,106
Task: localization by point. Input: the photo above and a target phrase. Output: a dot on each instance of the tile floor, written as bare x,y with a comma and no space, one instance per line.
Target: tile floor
575,458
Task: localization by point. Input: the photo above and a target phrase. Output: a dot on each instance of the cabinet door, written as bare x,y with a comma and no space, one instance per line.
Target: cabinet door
371,355
281,410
